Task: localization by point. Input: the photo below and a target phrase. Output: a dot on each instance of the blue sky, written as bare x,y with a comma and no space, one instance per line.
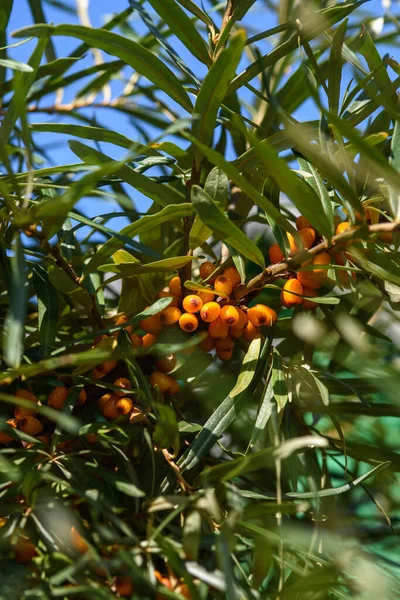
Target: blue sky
258,19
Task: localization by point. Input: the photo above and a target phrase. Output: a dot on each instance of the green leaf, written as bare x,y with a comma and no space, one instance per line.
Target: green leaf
197,12
232,172
278,380
213,91
264,413
211,215
47,309
183,28
166,433
128,269
316,182
146,223
217,187
15,65
133,54
394,196
248,368
335,67
14,326
128,488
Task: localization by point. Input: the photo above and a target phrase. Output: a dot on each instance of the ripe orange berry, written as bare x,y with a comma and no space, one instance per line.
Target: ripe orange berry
224,355
233,274
342,227
288,298
57,397
31,425
345,277
92,438
173,388
166,364
206,269
206,297
175,286
275,254
307,235
229,315
4,437
260,315
324,258
226,344
175,300
109,409
386,237
21,412
188,322
210,311
161,380
102,401
77,541
243,320
207,345
148,340
223,285
302,223
124,406
124,586
26,395
218,330
120,321
309,304
82,397
3,521
103,369
251,332
151,324
124,384
136,340
170,315
309,279
184,591
192,303
24,552
236,331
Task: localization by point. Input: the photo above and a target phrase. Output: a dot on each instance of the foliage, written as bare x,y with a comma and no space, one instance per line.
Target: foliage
270,470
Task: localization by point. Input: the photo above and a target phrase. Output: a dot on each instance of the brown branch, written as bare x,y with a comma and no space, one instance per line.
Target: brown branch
281,269
227,16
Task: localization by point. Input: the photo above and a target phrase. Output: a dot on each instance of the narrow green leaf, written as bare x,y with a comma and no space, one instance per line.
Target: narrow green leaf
183,28
15,65
211,215
47,309
127,269
213,91
14,327
197,12
335,67
278,380
316,182
264,413
394,195
248,368
133,54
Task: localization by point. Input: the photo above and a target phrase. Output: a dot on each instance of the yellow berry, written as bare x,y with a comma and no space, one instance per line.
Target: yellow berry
206,269
124,406
233,274
102,401
309,304
188,322
175,286
109,409
207,345
124,586
161,380
229,315
275,254
307,235
151,324
223,285
166,364
210,311
225,344
251,332
136,340
170,315
218,330
260,315
57,397
31,425
302,223
288,298
124,384
78,542
82,397
173,388
26,395
206,297
192,303
175,300
120,321
342,227
148,340
224,355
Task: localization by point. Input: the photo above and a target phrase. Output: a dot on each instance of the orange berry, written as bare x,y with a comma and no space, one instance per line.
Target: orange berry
223,285
386,237
102,401
175,300
124,384
251,332
92,438
342,227
309,304
120,321
161,380
3,521
103,369
206,297
26,395
210,311
236,331
170,315
275,254
77,541
175,286
166,364
309,279
288,298
192,303
31,425
109,409
345,277
218,330
148,340
302,223
226,344
307,235
151,324
324,258
174,387
57,397
243,320
206,269
24,552
184,591
229,315
136,340
260,315
4,437
124,406
124,586
82,397
188,322
233,274
207,345
224,355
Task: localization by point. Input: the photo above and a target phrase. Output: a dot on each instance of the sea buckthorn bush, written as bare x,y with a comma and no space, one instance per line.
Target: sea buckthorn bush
200,286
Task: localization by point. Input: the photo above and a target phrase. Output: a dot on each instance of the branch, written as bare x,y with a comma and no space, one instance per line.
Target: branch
280,269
